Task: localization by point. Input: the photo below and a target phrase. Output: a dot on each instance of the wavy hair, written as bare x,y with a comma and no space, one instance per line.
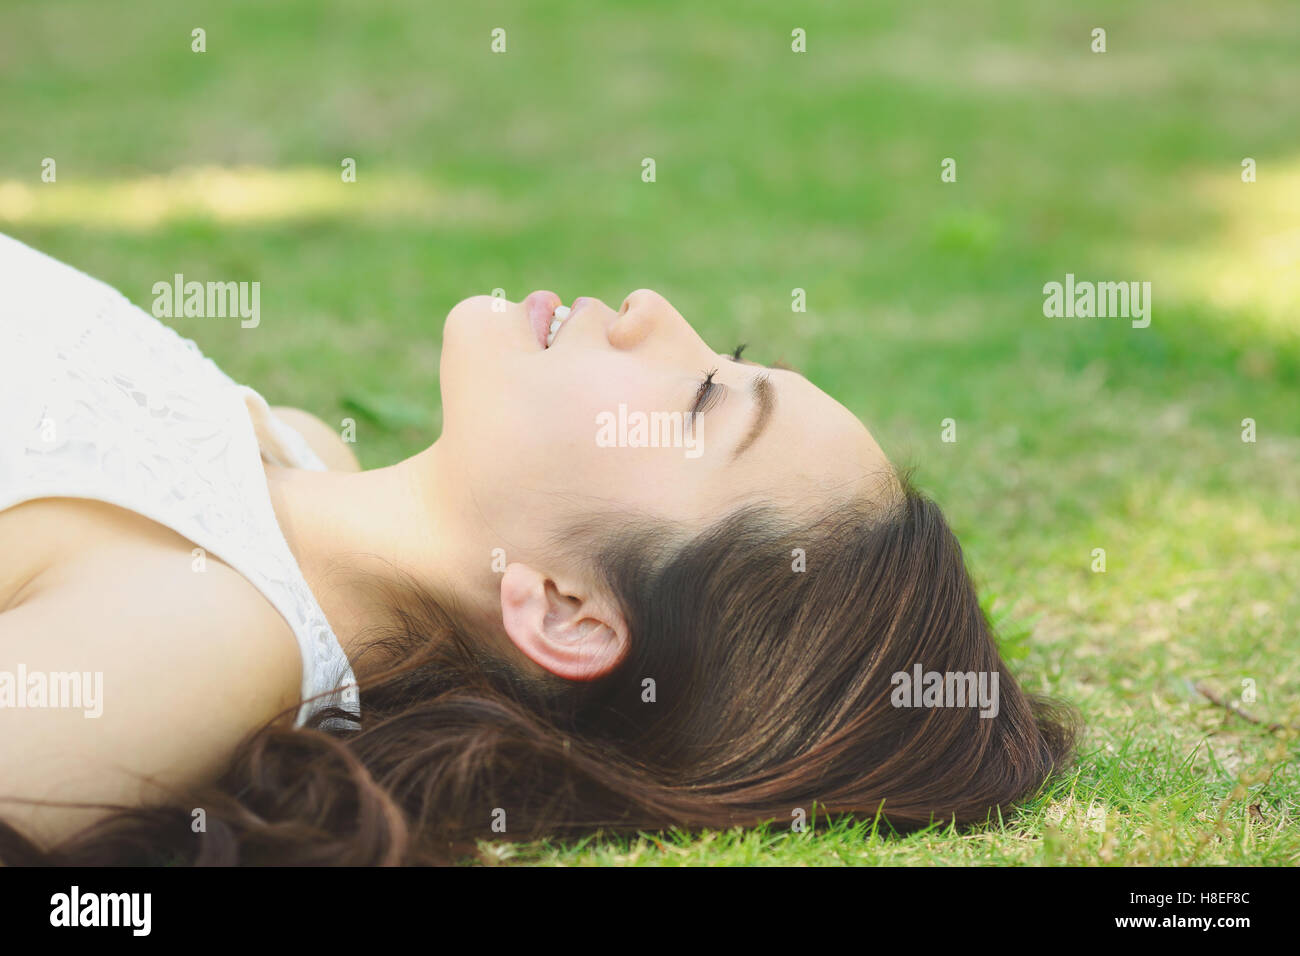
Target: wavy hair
752,688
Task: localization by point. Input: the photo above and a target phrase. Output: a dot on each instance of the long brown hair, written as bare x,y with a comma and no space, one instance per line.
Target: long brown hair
760,682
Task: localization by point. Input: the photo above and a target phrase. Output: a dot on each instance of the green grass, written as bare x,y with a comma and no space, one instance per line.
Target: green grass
775,171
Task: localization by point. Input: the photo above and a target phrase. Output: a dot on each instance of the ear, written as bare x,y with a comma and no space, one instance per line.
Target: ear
572,636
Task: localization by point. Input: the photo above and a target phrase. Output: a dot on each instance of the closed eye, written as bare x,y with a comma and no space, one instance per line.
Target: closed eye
764,399
708,394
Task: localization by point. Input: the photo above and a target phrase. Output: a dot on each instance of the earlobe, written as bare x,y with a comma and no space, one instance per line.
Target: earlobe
570,636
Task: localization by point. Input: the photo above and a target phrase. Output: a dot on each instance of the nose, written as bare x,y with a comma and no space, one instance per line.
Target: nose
639,315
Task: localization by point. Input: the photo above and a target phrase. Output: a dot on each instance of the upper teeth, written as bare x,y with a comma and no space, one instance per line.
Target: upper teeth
561,313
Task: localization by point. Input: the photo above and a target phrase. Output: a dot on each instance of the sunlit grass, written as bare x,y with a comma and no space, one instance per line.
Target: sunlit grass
1247,267
235,196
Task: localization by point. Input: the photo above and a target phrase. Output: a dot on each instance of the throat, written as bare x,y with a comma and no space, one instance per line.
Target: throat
342,531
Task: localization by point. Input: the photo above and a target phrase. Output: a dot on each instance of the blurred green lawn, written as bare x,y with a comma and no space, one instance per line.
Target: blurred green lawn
778,171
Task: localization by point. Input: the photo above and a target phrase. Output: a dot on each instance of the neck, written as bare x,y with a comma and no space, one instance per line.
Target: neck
353,532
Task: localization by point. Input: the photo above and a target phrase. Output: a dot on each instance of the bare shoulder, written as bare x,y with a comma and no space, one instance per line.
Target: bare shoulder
324,441
136,665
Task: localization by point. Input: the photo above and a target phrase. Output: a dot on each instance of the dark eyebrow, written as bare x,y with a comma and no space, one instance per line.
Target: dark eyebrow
765,401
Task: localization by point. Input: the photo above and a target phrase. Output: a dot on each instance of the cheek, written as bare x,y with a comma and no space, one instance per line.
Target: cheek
557,420
556,429
526,428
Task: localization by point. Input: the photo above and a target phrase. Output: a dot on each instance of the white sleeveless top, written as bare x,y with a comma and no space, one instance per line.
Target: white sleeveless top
101,400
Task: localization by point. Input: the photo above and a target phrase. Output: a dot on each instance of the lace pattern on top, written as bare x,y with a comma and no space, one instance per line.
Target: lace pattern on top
103,401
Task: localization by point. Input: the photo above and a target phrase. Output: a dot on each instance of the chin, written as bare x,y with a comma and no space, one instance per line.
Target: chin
463,330
472,310
490,324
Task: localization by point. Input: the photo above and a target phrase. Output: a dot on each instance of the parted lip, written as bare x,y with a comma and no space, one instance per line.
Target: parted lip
540,307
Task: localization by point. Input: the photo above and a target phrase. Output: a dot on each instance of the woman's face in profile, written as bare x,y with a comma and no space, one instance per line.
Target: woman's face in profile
540,435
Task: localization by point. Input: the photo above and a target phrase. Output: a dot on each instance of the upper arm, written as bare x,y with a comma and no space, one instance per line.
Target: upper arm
171,678
324,441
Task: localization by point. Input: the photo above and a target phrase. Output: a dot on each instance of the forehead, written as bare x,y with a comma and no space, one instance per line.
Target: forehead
812,451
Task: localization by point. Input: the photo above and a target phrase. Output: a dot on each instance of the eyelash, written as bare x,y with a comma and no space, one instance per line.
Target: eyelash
707,388
706,391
